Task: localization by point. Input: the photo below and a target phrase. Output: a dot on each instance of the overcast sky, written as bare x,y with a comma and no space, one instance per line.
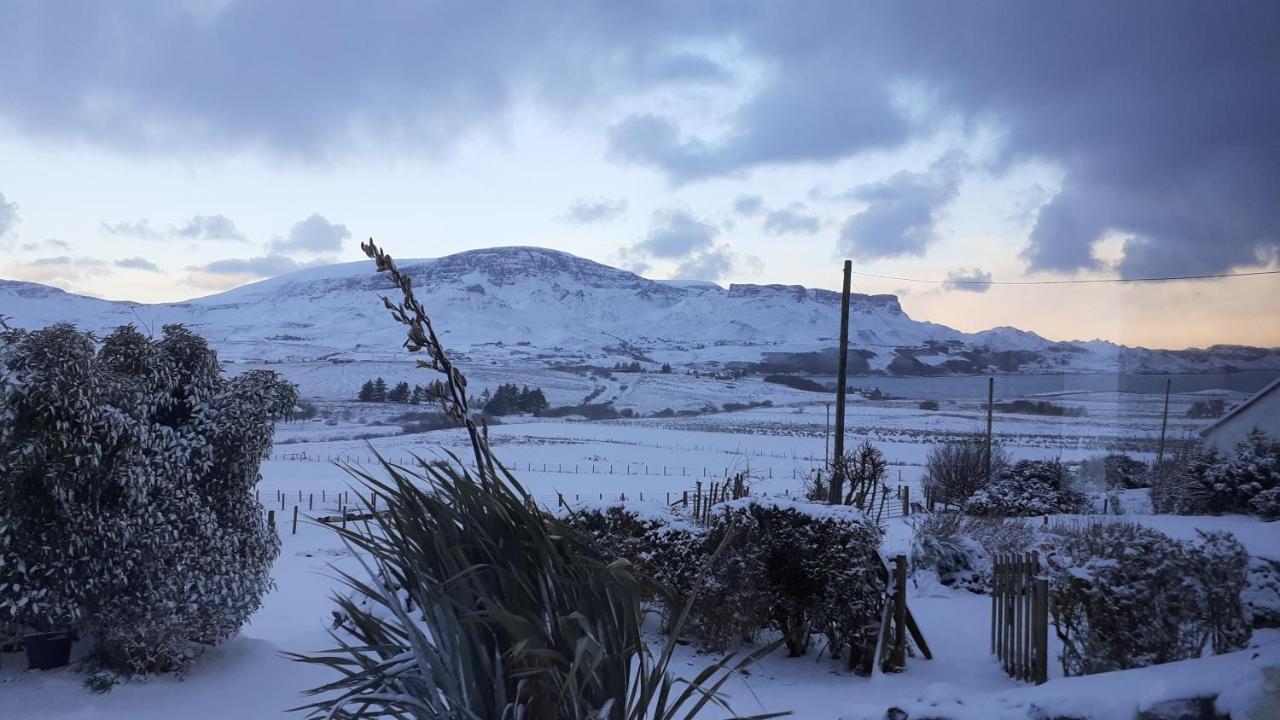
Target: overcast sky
160,151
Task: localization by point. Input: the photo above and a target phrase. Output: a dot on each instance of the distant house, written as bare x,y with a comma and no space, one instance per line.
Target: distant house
1262,410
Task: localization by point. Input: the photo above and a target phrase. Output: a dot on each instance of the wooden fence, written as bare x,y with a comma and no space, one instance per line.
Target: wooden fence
1020,616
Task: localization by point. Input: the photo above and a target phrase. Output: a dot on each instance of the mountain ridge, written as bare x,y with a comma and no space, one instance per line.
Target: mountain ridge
559,308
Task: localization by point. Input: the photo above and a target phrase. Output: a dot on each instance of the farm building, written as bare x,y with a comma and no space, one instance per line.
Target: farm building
1262,410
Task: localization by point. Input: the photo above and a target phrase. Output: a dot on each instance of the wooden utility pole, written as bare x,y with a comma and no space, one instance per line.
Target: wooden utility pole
991,395
826,448
1164,424
842,374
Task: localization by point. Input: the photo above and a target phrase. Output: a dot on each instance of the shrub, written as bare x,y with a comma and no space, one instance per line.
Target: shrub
1202,480
1028,487
955,470
1116,471
1125,596
927,405
1200,409
1262,596
959,548
127,508
821,570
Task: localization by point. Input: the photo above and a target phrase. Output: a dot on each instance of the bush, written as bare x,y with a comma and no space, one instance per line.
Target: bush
1262,596
1203,481
127,509
1028,487
959,548
955,470
1124,596
927,405
821,570
800,568
1116,471
1201,409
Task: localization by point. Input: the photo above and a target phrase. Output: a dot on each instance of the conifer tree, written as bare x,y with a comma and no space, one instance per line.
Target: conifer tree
399,394
366,392
379,390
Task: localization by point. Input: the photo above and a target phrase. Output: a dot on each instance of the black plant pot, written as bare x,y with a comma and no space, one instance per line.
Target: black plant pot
46,651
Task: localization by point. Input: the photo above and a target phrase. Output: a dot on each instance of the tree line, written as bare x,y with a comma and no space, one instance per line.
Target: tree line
377,391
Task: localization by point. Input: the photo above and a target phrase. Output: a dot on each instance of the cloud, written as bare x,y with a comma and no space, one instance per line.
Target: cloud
51,243
137,263
969,280
199,227
900,213
231,272
209,227
675,233
716,264
64,271
586,211
138,228
794,218
748,204
1160,115
8,215
314,234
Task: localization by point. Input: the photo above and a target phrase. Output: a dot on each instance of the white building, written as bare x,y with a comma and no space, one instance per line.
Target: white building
1262,410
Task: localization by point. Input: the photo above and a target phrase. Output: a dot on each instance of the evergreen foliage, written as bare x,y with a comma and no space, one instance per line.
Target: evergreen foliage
127,509
510,400
1204,481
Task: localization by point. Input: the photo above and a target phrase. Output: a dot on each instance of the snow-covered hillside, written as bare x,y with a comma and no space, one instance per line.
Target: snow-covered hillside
547,307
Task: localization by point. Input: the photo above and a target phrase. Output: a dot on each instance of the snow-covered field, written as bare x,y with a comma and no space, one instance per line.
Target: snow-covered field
248,678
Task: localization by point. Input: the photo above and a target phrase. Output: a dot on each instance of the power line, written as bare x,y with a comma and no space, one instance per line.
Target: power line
1069,282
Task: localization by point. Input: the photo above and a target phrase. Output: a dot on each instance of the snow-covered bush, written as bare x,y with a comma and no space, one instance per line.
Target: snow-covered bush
127,508
1123,596
1115,471
821,569
955,470
664,547
1205,481
959,548
1028,487
1262,596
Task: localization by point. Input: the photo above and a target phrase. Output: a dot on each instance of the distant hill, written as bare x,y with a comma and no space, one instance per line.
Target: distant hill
526,304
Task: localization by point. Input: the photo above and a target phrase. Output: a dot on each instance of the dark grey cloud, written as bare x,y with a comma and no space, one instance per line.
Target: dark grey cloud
676,233
795,218
716,264
968,280
8,215
899,217
1162,114
209,227
748,204
137,263
314,234
593,210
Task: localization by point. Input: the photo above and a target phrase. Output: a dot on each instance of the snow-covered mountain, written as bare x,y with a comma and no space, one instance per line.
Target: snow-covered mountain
525,304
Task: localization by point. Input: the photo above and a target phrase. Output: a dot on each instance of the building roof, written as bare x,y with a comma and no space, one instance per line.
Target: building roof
1273,386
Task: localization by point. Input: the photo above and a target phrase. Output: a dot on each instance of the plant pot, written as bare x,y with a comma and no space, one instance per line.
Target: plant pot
46,651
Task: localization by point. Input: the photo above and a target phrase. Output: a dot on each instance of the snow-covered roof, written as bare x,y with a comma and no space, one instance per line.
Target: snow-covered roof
1270,388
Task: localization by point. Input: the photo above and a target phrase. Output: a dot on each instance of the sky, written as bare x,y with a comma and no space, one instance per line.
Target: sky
158,151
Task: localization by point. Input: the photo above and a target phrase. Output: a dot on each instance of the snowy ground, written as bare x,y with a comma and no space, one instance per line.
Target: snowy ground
246,677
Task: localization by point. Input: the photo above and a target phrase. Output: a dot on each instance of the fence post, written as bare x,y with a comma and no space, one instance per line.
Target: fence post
1041,634
295,520
271,519
898,659
311,502
906,501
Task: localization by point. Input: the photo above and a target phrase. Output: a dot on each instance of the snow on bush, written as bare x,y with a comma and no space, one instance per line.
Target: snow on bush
1262,596
1206,481
127,509
1115,471
1125,596
959,548
1028,487
801,568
